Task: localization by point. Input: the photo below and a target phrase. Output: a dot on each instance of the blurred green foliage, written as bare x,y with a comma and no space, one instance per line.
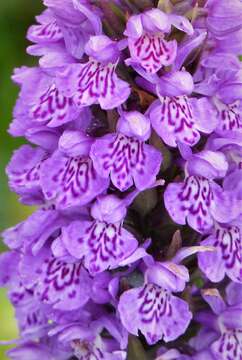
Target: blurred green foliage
16,16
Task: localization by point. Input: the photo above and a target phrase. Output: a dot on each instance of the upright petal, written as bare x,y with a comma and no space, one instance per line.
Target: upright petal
224,16
211,264
234,293
214,300
146,39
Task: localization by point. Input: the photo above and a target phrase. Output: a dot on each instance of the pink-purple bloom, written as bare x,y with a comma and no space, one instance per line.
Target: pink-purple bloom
124,156
134,164
152,308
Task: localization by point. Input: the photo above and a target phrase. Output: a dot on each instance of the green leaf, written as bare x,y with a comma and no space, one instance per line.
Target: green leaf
136,350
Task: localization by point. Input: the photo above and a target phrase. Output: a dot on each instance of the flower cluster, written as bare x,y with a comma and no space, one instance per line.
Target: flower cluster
135,166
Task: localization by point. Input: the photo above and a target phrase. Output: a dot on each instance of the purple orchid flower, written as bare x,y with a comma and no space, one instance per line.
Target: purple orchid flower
23,173
68,177
176,117
229,117
152,308
124,156
224,326
102,242
56,282
86,341
95,82
146,39
200,200
35,231
69,23
227,259
45,105
29,312
223,89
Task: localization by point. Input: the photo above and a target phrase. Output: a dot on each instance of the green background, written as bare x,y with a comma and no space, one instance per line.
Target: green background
16,16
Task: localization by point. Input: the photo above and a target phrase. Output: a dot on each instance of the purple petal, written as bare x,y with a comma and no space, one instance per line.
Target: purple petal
187,47
8,267
93,83
181,23
109,209
173,120
74,143
191,200
23,169
204,114
47,30
91,14
211,263
155,20
39,226
133,123
51,55
53,108
224,16
214,300
33,351
173,203
226,206
65,286
70,181
234,293
168,275
43,136
228,346
175,84
152,52
229,116
65,9
155,312
126,160
209,164
102,49
31,317
102,245
227,258
134,27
